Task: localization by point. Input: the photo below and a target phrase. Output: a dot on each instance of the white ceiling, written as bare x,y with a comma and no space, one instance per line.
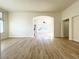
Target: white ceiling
35,5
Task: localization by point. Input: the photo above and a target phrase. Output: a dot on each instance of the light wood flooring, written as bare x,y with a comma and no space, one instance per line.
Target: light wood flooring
57,48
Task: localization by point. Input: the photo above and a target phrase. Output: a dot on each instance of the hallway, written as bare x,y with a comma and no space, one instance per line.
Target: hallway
28,48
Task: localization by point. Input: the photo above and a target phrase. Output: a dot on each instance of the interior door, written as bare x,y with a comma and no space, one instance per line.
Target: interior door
76,28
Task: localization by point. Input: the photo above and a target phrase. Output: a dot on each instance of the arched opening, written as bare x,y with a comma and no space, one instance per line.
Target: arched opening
43,27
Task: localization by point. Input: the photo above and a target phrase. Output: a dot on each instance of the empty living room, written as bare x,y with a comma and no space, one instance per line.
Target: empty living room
39,29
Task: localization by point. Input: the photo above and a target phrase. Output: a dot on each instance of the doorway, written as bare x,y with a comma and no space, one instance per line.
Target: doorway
43,27
66,28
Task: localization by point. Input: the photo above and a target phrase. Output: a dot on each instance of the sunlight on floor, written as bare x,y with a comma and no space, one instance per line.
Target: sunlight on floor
45,40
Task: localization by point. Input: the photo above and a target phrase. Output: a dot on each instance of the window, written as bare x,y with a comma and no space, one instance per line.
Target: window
1,23
1,26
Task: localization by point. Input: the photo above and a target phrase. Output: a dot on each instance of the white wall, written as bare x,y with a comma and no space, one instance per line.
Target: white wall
5,28
70,12
21,23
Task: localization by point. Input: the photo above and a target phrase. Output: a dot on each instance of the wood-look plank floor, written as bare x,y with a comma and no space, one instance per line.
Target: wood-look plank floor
58,48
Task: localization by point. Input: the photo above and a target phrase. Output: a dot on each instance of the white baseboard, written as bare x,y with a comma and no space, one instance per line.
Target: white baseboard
76,40
20,37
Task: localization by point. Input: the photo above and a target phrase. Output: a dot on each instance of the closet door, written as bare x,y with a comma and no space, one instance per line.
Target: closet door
76,28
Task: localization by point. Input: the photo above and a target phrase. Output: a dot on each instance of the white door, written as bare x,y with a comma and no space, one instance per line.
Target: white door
76,29
44,27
